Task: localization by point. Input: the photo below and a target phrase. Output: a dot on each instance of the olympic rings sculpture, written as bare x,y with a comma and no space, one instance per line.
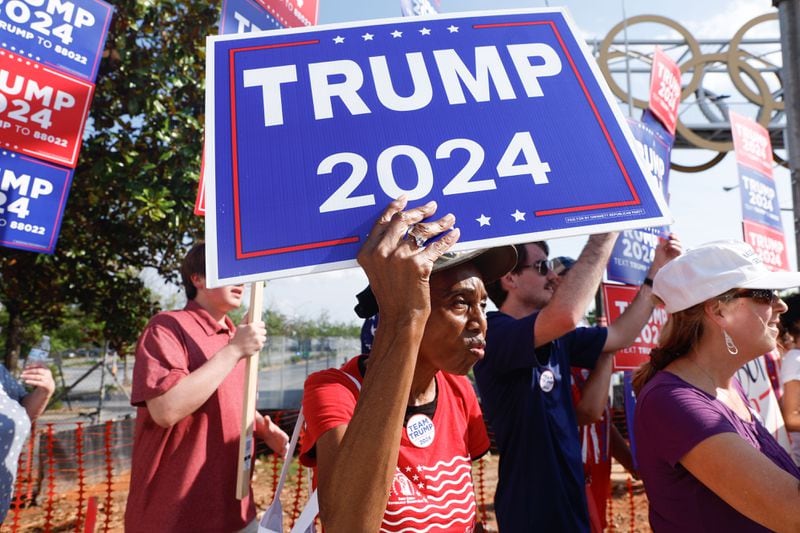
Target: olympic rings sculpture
748,71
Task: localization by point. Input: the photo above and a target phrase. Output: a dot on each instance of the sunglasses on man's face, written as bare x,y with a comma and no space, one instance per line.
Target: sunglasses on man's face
761,296
543,267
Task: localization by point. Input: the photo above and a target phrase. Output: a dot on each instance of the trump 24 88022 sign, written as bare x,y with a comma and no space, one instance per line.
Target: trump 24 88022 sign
65,34
502,118
42,111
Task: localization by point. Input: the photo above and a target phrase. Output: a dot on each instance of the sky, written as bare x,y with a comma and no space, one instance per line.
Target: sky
703,211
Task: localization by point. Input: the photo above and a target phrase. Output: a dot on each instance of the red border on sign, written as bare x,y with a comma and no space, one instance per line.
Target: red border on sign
636,200
240,254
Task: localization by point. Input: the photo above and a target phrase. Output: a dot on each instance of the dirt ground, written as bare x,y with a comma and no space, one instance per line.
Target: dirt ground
627,507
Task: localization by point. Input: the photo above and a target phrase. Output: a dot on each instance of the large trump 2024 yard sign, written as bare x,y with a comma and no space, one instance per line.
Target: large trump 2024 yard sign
503,118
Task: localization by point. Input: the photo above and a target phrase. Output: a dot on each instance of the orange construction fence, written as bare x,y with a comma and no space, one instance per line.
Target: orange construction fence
73,476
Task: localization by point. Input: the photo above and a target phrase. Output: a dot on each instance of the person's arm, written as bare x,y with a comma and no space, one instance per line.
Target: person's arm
356,462
620,451
271,434
569,303
191,392
790,405
747,480
624,330
594,393
41,379
629,325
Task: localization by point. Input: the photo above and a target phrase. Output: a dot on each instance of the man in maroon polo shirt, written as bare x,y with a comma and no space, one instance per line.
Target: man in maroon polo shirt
188,381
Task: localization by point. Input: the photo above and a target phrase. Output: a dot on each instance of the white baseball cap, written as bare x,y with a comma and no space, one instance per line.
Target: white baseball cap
713,269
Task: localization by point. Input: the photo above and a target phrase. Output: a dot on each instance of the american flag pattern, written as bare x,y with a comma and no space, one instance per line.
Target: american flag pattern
432,489
435,497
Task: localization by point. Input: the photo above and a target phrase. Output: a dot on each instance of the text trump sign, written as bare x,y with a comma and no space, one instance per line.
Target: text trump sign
32,199
617,298
42,111
502,118
761,212
65,34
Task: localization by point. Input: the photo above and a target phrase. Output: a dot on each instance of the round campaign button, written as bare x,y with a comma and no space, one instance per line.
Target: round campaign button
547,380
420,430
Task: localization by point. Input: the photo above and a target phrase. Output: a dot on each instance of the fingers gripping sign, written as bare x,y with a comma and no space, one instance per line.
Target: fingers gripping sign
250,337
396,258
667,249
420,233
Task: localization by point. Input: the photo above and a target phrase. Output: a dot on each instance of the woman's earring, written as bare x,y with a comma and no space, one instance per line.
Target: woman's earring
729,344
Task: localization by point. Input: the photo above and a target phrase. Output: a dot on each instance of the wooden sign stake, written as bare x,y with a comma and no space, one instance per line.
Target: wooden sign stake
247,447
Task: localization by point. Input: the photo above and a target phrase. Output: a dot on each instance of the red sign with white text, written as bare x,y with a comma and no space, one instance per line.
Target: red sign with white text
616,299
769,244
42,111
761,221
751,144
665,90
292,13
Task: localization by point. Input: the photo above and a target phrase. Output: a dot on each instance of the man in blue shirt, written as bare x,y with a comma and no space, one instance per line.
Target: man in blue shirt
524,379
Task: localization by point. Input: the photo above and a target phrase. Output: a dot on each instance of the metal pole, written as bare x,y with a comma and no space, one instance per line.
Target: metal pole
64,392
63,381
104,362
627,60
789,17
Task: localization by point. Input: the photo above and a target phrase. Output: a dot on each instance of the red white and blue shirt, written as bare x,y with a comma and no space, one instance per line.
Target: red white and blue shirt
432,489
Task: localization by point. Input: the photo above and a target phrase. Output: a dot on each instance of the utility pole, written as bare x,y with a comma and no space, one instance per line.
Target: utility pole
789,17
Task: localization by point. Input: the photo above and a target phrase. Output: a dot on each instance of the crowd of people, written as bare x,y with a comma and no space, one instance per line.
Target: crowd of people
391,435
396,428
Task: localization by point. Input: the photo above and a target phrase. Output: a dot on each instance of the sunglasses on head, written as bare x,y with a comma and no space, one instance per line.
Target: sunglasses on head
543,267
761,296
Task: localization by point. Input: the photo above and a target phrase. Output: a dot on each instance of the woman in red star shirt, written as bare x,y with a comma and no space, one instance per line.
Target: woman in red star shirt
392,435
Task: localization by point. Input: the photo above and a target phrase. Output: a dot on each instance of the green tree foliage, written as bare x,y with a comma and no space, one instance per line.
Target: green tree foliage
134,187
279,324
76,330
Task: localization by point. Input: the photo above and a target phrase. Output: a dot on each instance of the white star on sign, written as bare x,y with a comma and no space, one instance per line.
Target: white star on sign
367,36
518,215
396,34
338,39
415,478
484,220
452,29
425,31
408,469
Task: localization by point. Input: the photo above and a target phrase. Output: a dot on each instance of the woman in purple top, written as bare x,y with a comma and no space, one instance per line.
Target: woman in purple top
707,462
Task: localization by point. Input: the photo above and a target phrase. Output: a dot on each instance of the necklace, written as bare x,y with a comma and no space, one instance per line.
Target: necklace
723,393
704,371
